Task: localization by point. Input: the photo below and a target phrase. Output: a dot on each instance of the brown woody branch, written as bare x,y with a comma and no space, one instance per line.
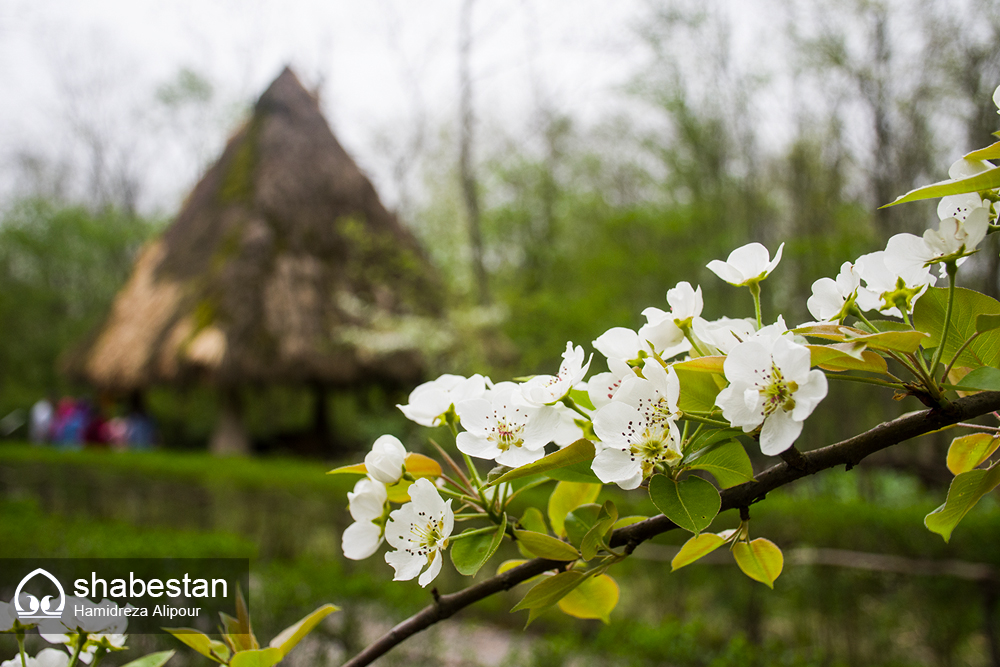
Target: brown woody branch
849,453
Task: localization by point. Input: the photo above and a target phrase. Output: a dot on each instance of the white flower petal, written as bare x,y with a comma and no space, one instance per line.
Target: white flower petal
431,572
360,540
778,433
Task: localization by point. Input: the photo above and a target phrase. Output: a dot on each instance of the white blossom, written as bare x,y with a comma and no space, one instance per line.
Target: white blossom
724,333
895,275
623,344
48,657
418,532
367,506
746,265
547,389
665,330
385,461
771,385
504,427
830,296
429,402
601,388
955,235
637,428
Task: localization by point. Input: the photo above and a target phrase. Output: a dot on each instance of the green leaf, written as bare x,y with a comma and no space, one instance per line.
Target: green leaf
928,316
580,521
692,504
841,357
695,548
199,641
595,537
708,437
761,560
577,472
356,469
260,657
594,598
965,491
981,379
987,323
471,553
533,520
728,463
546,546
986,180
153,659
968,452
894,341
581,450
509,565
565,498
625,521
710,364
286,640
549,591
399,492
698,390
581,398
991,152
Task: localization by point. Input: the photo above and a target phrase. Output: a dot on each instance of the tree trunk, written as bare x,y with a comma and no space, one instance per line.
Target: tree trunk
230,436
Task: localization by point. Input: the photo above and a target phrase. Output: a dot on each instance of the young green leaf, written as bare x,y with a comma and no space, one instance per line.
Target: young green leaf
258,657
692,504
698,390
199,641
965,491
928,316
761,560
986,180
549,591
533,520
355,469
546,546
580,472
286,640
152,660
580,521
581,450
981,379
833,358
711,364
991,152
594,598
470,554
565,498
969,451
695,548
895,341
987,322
594,538
728,463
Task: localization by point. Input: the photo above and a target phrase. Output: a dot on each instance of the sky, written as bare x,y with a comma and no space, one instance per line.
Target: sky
382,67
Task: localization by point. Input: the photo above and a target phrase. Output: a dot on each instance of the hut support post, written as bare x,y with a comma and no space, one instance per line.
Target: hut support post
321,414
230,436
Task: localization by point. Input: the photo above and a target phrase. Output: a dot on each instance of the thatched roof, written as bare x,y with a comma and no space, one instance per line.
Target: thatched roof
282,265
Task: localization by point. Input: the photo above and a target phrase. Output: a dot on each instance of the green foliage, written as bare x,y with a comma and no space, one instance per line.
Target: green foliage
691,503
728,463
565,498
60,268
966,490
928,316
470,554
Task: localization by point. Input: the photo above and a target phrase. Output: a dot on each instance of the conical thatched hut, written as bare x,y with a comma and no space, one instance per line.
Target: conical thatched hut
282,267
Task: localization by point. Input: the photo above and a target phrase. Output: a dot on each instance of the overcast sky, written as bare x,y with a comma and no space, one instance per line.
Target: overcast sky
380,65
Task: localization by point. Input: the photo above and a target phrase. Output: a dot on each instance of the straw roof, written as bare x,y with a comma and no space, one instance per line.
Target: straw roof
282,265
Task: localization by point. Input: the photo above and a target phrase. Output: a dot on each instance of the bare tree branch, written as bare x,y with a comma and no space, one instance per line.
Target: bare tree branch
848,452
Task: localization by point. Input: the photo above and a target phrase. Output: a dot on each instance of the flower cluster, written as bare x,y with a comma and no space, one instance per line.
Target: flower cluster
674,392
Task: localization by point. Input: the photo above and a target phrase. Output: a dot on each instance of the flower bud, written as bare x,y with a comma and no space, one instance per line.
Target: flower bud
385,461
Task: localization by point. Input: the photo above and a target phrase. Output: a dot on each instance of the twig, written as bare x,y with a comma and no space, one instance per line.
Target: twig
848,452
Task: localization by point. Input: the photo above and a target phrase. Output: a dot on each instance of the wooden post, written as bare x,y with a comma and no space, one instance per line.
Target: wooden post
230,436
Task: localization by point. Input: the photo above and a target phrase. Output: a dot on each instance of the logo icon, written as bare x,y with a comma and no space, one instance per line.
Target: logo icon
39,609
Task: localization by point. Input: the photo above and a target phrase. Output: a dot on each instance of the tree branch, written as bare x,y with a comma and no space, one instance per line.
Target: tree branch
849,452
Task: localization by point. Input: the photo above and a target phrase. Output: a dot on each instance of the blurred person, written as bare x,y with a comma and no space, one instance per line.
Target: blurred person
41,420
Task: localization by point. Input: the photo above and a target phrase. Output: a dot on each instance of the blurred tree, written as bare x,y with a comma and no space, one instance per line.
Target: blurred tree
60,268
